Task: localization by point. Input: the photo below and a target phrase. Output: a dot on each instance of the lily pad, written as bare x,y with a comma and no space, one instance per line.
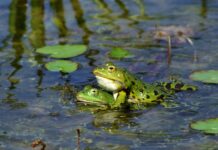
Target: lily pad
62,51
206,76
119,53
62,65
207,126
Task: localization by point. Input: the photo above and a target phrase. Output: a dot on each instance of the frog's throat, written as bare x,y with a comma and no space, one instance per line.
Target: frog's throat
115,95
109,84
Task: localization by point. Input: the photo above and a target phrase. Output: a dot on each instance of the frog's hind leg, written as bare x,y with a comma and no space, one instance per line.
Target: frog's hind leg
176,86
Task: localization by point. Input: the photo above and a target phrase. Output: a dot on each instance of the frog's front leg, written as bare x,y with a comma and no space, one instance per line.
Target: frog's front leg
120,98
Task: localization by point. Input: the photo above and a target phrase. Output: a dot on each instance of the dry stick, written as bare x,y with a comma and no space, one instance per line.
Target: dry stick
78,139
169,50
195,50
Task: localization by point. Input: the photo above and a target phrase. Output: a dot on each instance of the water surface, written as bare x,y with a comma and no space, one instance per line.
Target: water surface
36,103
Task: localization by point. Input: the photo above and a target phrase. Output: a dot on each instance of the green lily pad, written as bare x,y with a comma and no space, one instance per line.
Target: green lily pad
62,65
207,126
119,53
206,76
62,51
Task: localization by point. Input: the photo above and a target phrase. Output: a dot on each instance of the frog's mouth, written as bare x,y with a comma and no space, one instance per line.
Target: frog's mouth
109,84
82,99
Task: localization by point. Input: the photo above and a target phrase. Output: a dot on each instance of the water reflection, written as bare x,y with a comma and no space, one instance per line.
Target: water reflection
106,16
141,7
37,36
114,120
204,8
79,16
125,14
142,13
123,8
29,30
17,30
104,6
58,19
13,102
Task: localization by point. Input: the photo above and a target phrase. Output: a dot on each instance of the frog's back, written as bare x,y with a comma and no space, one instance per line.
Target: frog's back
147,94
140,92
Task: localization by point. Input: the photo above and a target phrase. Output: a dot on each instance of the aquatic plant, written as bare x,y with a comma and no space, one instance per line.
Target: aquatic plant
207,126
206,76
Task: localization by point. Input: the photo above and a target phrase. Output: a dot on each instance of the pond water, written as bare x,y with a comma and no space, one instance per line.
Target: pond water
38,104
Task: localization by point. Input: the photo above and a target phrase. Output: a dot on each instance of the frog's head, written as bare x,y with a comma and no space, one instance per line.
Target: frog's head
90,95
110,77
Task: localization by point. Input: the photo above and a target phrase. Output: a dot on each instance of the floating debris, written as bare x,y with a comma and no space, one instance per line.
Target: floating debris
38,142
178,34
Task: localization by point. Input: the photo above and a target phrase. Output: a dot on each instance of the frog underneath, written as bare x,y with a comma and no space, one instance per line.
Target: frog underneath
94,96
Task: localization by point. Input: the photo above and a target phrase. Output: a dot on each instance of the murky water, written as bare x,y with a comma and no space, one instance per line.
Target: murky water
36,103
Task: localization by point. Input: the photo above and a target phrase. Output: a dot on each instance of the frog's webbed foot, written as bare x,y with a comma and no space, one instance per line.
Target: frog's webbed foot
169,104
138,106
96,110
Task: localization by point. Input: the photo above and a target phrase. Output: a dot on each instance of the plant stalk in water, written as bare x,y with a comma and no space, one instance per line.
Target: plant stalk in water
78,138
169,50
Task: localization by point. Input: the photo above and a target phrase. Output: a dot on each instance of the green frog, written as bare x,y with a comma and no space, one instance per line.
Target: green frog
128,89
93,96
103,100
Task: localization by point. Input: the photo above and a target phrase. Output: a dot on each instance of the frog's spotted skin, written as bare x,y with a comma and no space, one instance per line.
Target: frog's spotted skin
176,86
113,78
147,96
117,80
93,96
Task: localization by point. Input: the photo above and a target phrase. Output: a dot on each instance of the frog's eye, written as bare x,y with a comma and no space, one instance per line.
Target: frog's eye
111,68
93,91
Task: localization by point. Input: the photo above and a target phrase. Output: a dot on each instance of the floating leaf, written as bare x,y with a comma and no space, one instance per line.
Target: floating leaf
207,126
62,65
62,51
119,53
206,76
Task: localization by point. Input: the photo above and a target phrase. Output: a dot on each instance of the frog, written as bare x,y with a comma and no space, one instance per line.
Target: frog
104,100
128,89
90,95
